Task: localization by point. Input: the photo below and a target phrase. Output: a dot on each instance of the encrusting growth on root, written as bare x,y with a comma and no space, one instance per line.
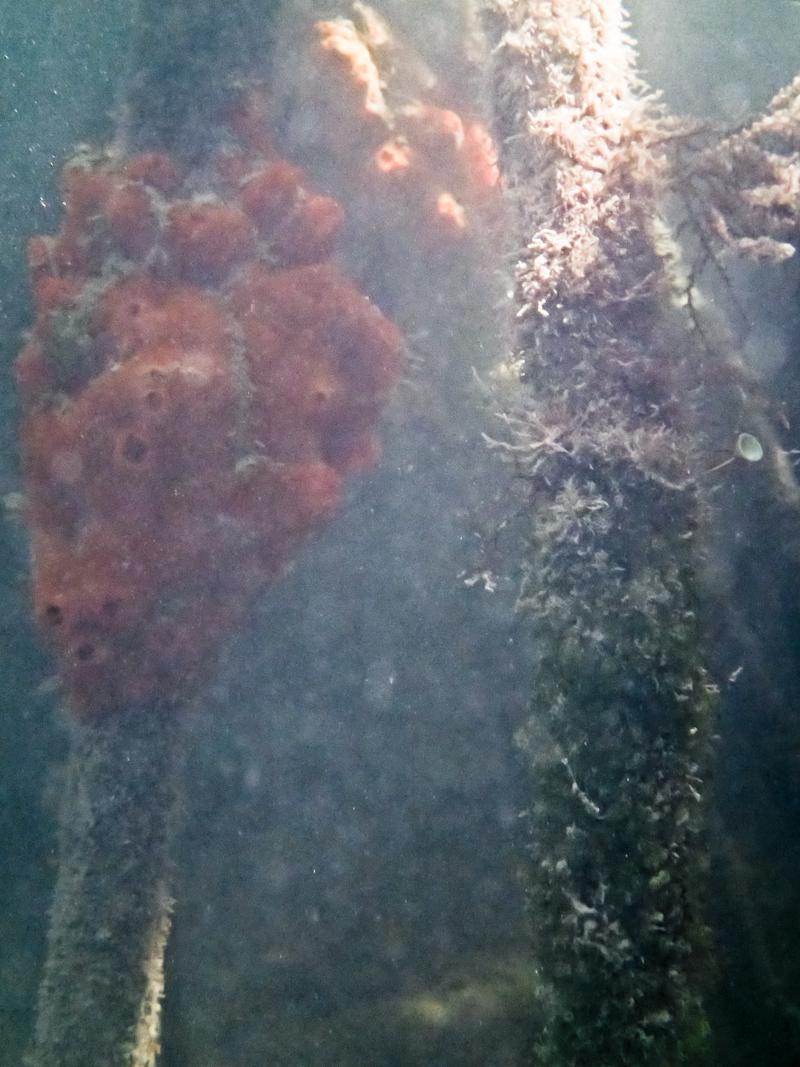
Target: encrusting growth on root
631,385
609,449
199,382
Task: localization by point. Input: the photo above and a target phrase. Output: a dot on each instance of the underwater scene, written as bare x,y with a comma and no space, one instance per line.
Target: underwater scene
400,533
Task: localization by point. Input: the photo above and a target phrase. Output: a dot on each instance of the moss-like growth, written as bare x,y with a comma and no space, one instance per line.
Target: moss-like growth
616,744
604,433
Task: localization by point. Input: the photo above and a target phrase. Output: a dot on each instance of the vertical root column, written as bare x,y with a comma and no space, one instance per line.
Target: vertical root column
99,1002
605,435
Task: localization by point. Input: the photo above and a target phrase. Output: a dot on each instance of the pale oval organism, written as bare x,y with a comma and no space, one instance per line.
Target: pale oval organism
749,448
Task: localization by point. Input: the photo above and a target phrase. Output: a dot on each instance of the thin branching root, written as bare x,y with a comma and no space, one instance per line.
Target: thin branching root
747,185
